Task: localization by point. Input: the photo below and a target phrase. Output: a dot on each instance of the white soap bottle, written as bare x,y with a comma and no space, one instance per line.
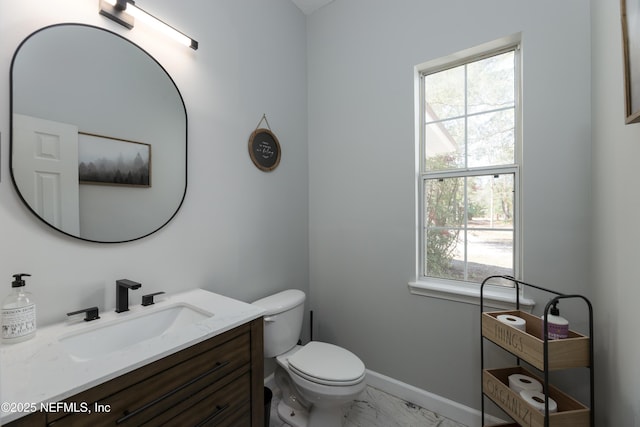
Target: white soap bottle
18,313
557,326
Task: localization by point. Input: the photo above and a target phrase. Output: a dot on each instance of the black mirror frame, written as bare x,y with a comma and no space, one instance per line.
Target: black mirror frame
11,142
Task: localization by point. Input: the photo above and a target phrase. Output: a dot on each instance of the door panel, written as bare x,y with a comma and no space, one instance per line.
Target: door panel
48,178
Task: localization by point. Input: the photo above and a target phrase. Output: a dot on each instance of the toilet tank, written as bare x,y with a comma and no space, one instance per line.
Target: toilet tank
282,320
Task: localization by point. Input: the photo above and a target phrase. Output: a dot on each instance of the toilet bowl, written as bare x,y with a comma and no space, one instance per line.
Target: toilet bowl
316,379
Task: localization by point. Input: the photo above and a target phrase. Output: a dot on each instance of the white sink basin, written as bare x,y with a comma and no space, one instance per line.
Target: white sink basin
136,328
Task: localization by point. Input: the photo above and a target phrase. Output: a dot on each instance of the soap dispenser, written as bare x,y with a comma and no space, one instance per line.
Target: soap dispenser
18,313
557,326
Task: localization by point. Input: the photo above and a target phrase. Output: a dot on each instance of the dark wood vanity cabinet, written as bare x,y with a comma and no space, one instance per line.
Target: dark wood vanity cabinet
218,382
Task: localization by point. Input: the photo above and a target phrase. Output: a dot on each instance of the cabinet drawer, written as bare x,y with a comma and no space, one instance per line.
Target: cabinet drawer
146,399
241,418
211,407
35,419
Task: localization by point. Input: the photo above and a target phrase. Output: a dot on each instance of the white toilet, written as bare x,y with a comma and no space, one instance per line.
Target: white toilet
316,379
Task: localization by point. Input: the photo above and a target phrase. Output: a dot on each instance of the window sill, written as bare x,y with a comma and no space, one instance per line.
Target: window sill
494,296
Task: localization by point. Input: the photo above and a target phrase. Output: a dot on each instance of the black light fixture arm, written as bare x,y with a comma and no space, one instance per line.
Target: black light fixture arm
116,13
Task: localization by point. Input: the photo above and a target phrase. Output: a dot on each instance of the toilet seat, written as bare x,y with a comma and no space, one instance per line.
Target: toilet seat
327,364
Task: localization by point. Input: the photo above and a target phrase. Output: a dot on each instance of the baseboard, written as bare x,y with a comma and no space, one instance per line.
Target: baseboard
440,405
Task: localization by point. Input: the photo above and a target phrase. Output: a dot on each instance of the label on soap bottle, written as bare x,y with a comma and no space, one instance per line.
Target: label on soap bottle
556,331
18,322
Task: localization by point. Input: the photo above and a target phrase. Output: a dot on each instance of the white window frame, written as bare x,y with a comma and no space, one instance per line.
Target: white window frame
467,292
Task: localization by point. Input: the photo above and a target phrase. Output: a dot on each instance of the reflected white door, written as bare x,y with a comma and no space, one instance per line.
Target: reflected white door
45,167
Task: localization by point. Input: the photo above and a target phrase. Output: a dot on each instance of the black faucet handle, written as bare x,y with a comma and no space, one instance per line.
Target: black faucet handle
91,313
148,299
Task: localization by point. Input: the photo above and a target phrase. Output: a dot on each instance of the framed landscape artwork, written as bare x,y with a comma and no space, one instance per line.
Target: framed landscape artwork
110,161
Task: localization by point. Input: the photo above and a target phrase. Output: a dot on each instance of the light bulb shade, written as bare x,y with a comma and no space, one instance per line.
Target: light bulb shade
124,12
159,25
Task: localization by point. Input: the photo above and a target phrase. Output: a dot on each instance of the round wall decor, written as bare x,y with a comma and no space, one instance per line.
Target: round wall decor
264,149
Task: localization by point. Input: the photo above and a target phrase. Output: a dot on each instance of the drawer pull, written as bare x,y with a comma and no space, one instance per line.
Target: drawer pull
219,410
127,415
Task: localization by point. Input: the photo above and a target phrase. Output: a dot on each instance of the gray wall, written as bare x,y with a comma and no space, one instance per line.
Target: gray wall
361,174
241,232
616,201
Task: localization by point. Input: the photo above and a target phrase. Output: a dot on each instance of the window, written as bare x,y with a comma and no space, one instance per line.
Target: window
469,167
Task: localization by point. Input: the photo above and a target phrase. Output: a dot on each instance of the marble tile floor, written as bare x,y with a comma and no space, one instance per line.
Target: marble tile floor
375,408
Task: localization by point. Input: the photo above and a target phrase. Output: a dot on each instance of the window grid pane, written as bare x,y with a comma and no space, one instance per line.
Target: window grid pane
496,72
445,94
491,138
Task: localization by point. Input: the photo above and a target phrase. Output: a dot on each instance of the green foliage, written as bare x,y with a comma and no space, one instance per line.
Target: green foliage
444,200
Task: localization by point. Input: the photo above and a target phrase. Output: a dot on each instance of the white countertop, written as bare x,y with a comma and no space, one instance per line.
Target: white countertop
41,370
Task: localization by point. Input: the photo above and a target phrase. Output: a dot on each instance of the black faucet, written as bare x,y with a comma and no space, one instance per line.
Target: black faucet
122,293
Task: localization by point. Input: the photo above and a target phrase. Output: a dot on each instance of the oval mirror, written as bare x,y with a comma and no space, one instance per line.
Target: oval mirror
98,134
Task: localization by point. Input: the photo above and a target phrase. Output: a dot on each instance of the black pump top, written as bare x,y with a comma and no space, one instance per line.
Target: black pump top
554,310
18,282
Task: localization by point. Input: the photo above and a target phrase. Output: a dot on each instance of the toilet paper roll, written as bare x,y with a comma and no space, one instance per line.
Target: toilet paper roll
536,399
515,321
519,382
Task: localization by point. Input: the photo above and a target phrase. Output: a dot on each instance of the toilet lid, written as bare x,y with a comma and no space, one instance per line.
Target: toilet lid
327,364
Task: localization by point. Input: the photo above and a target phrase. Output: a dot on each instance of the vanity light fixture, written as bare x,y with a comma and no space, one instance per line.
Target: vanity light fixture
125,11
